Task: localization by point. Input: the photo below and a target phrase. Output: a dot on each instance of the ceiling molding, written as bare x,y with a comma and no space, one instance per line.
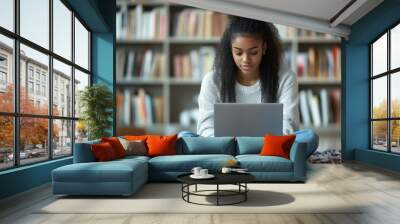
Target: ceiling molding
347,11
269,15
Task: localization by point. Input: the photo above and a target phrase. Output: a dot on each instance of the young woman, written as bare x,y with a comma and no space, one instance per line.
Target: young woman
249,68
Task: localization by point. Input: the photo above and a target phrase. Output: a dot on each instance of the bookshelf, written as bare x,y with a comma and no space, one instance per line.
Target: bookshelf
178,88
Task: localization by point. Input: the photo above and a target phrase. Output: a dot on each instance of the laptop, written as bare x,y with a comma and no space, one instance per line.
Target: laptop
253,120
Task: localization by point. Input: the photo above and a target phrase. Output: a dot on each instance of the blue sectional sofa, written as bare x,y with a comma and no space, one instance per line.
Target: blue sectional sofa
125,176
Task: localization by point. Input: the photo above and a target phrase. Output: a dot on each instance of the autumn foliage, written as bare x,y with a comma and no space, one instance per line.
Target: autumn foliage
380,127
33,131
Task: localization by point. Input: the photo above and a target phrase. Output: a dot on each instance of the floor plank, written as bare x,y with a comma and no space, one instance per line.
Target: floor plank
376,189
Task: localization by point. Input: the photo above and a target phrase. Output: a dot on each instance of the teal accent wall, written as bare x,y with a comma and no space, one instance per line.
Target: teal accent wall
355,86
102,63
24,178
99,16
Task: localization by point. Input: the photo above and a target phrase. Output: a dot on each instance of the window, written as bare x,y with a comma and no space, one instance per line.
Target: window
30,87
7,86
7,14
30,72
81,45
3,72
38,89
3,61
37,75
46,73
385,97
35,22
44,91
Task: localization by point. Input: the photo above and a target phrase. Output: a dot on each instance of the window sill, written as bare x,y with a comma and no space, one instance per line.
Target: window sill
26,167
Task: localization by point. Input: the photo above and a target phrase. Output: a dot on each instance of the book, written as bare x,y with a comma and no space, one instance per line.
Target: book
304,109
314,108
324,107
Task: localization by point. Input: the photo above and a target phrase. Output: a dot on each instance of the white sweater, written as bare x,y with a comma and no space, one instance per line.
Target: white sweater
287,94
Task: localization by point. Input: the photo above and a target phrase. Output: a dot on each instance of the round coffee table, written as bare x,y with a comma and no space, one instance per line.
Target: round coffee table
238,179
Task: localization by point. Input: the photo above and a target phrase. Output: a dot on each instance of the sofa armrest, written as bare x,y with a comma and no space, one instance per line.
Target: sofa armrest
298,157
83,152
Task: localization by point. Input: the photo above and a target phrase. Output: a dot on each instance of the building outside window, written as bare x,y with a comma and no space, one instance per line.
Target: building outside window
57,128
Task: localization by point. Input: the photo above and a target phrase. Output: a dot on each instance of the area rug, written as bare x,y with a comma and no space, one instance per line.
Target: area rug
167,198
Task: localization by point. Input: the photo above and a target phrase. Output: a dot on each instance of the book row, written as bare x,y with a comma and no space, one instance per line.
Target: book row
193,65
139,108
135,23
197,23
319,63
319,108
146,64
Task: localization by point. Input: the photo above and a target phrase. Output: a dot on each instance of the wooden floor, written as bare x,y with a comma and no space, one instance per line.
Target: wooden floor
377,188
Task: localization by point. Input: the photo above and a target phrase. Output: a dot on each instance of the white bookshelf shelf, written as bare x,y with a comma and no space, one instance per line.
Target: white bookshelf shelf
315,40
135,82
311,82
183,40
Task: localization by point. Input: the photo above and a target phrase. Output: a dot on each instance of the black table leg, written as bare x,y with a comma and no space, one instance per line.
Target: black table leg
245,193
196,188
217,194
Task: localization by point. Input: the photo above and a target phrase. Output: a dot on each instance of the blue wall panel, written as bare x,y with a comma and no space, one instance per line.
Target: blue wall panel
355,100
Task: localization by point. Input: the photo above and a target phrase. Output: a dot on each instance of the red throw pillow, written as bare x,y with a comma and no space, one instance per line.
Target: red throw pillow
103,151
116,145
277,145
135,137
161,145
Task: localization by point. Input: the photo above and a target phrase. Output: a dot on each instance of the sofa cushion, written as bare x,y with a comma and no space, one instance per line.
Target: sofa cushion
249,145
134,147
161,145
103,152
116,145
206,145
277,145
111,171
185,163
257,163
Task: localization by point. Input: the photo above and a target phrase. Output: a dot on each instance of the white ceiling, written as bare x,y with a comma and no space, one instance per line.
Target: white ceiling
320,9
317,15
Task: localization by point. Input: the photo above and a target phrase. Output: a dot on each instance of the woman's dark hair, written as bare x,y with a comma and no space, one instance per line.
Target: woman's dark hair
226,69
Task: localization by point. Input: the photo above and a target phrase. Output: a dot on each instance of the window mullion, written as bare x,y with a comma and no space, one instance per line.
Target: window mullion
73,82
389,106
50,81
16,84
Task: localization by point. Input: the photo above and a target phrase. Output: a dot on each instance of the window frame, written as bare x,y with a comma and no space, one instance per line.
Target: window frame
388,74
16,115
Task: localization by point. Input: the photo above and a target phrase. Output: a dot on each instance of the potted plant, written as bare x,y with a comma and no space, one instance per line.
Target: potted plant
96,102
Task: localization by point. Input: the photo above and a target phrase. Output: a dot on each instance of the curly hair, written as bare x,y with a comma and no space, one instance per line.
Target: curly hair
226,69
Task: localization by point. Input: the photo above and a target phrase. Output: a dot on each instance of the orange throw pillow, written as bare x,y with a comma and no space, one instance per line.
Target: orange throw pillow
103,151
277,145
116,145
135,137
161,145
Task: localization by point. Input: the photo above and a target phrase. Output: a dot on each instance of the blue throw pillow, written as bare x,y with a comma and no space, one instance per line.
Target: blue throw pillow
206,145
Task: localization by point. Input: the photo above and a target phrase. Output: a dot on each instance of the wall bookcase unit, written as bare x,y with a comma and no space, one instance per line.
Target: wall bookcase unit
178,92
